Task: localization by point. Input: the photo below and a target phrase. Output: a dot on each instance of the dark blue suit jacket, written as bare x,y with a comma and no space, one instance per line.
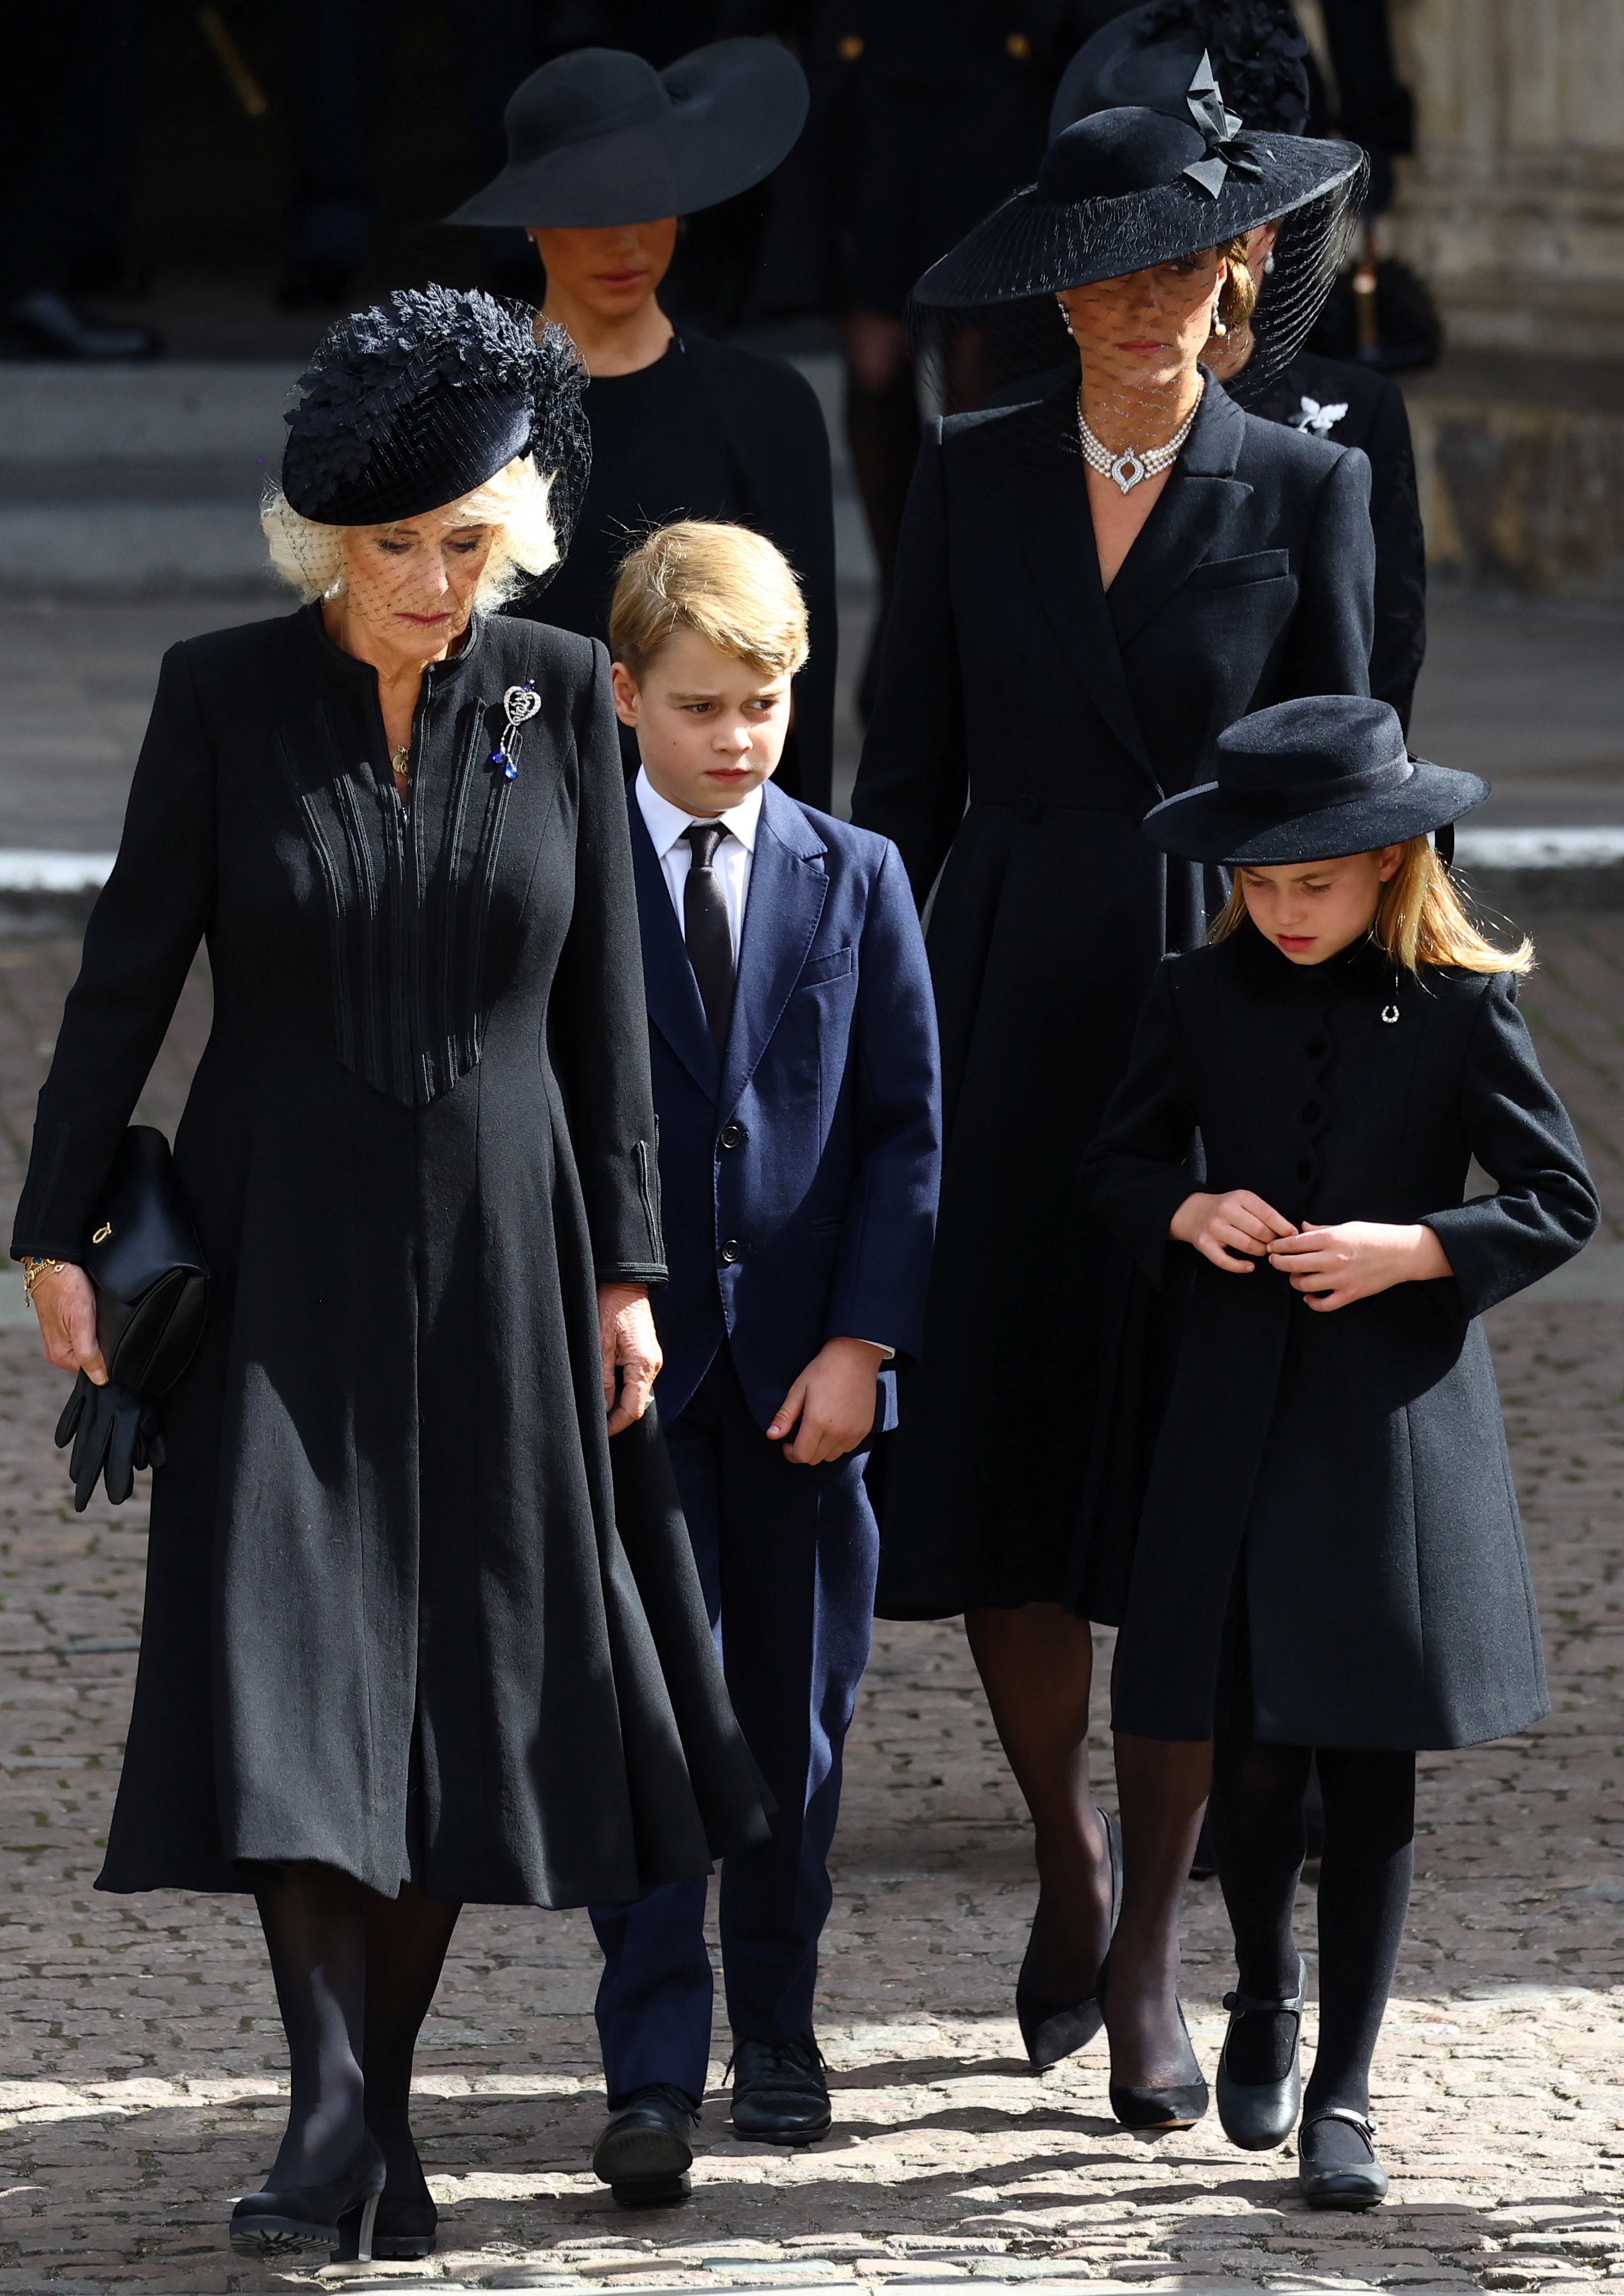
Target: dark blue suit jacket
798,1175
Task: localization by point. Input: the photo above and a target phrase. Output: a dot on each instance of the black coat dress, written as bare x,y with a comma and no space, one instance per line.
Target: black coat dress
392,1622
1064,712
711,430
1353,407
1336,1487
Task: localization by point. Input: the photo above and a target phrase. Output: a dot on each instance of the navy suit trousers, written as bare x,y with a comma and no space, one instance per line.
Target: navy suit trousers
787,1558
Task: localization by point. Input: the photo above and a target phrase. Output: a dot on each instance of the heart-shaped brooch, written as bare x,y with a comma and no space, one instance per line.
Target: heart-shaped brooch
519,703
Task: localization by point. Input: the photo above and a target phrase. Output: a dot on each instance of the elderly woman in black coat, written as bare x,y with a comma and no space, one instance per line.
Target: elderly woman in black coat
1330,1558
1090,587
402,1649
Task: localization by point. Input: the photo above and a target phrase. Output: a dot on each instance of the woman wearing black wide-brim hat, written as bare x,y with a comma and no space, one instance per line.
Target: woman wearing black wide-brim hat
422,1623
1154,56
1091,586
1329,1562
605,155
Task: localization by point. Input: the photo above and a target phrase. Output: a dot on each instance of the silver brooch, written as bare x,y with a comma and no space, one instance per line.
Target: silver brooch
521,703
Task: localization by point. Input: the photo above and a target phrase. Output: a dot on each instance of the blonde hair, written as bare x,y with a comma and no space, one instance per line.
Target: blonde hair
309,556
1237,297
725,583
1419,919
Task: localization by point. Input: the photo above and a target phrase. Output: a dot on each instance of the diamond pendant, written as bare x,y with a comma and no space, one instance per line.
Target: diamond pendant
1128,469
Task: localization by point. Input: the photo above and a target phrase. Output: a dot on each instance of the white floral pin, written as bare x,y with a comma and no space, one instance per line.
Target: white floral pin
1320,420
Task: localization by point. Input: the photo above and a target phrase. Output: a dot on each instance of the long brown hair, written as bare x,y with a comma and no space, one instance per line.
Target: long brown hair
1419,919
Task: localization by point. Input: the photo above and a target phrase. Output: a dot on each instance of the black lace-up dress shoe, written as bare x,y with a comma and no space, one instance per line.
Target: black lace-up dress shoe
780,2096
645,2150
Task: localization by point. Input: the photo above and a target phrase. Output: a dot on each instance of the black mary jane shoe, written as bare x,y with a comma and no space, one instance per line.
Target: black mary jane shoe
1052,2030
1341,2184
780,2094
281,2220
1257,2115
645,2150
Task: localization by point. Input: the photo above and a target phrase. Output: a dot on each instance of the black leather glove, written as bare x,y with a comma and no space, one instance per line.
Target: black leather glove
113,1430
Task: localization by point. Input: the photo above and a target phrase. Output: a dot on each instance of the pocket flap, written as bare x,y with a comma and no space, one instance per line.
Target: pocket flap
838,961
1229,573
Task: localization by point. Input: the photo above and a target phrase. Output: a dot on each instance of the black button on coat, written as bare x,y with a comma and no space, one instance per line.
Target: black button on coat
394,1622
1351,1465
1062,712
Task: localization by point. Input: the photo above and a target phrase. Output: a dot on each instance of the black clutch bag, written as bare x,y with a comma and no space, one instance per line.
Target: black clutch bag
152,1286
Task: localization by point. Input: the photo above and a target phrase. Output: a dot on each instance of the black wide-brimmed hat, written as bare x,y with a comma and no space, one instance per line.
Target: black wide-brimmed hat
1254,48
417,401
1308,780
1127,189
599,136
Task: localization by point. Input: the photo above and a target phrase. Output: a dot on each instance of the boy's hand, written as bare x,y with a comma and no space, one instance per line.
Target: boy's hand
834,1400
1357,1259
1221,1226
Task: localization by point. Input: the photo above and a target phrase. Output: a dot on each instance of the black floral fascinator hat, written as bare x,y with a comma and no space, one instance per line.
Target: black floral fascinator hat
599,138
1310,781
1152,54
422,399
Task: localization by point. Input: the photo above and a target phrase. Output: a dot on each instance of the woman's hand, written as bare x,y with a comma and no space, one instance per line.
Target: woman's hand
626,1338
1221,1226
1332,1266
66,1306
834,1400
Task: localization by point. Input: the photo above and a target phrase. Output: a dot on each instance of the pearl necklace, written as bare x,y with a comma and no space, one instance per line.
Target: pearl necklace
1130,465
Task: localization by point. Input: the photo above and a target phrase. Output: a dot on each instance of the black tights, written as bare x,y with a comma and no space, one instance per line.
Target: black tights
354,1975
1364,1894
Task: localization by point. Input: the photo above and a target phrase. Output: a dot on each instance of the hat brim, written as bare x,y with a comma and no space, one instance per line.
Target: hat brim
737,109
1206,825
1031,246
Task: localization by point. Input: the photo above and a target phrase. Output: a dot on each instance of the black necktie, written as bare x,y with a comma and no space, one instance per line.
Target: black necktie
705,929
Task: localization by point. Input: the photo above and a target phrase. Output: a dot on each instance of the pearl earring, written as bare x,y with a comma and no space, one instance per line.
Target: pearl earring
1219,327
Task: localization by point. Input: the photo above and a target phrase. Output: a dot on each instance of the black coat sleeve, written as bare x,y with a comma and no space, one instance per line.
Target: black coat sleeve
142,935
1134,1173
915,773
1546,1208
599,1028
1328,648
1400,642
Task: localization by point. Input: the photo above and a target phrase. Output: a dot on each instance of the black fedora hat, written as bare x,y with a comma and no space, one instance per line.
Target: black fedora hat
419,400
1151,55
1127,189
599,136
1308,780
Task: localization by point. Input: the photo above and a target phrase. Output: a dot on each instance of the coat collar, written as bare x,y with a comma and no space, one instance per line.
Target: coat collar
789,886
1200,493
669,987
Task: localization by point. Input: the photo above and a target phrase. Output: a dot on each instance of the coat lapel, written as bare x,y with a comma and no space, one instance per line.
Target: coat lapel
789,886
1057,539
1182,530
669,987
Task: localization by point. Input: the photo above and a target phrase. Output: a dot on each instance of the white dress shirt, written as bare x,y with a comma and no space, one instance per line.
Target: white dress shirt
668,824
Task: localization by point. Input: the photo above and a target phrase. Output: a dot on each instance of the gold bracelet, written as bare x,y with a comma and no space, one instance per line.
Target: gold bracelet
33,1269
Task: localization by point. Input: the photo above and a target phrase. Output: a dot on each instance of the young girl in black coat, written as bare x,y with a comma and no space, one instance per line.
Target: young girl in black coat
1330,1560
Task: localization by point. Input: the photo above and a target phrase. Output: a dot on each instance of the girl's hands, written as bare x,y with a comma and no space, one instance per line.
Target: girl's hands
66,1305
1222,1226
625,1335
1356,1260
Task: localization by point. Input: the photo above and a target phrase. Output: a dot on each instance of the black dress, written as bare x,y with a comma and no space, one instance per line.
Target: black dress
710,430
1337,1484
1063,713
392,1622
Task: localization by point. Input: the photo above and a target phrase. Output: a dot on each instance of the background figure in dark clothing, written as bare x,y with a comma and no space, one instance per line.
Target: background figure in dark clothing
926,113
1149,55
682,426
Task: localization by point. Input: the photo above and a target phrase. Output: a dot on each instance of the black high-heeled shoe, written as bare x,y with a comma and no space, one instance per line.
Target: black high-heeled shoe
404,2231
1053,2029
278,2220
1180,2105
1257,2115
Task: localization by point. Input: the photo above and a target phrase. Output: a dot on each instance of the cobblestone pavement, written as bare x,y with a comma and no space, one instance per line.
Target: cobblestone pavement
140,2057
